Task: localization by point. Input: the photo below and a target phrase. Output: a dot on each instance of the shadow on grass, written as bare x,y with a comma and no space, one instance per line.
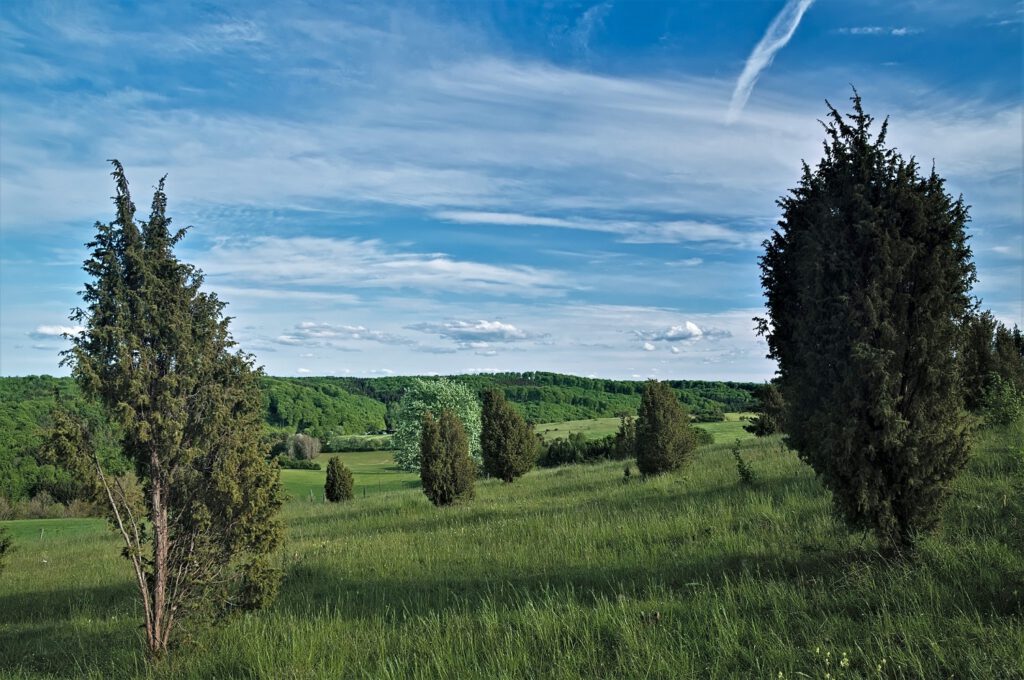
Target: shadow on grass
60,632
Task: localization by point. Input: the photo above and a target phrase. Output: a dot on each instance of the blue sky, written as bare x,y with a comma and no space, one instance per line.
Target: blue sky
478,186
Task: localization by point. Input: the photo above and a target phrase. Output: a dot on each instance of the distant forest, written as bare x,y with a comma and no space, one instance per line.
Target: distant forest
330,407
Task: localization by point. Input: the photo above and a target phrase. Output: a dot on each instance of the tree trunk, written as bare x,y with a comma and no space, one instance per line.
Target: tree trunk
157,636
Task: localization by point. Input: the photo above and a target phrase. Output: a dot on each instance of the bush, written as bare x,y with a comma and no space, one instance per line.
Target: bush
746,473
358,442
289,463
1001,403
703,437
339,482
446,470
5,545
664,437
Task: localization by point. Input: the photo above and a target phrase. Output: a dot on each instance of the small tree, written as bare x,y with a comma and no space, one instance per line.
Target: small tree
157,355
508,443
446,470
303,447
624,445
770,411
339,481
868,283
664,436
435,395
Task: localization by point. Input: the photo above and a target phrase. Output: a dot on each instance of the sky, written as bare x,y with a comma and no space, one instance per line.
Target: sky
448,187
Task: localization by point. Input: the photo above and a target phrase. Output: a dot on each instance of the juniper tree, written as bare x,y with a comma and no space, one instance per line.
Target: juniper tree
446,470
507,442
664,436
338,486
5,544
769,412
867,280
156,353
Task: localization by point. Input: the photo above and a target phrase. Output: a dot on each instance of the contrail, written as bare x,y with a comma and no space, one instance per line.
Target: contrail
775,38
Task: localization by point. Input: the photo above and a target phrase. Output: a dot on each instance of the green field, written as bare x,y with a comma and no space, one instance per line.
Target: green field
374,473
568,573
728,430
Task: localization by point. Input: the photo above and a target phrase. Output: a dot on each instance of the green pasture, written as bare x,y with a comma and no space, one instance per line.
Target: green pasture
566,573
728,430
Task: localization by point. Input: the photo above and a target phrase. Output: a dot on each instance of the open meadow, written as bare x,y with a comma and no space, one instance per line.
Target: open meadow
568,572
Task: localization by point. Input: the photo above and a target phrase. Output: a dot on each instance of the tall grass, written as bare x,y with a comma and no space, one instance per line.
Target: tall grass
569,572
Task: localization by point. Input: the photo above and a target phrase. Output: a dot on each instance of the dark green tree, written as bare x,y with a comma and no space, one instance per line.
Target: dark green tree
339,482
867,281
771,407
507,442
625,437
664,436
446,469
157,355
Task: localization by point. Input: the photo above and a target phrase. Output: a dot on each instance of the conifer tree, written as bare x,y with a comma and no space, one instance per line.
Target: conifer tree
338,486
867,281
507,442
446,469
664,436
770,411
157,355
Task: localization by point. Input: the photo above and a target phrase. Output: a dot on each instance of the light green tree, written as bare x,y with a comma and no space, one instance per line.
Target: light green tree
434,395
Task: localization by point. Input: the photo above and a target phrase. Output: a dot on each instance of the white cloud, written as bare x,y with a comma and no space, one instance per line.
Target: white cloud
312,261
648,347
476,334
48,332
688,262
775,38
302,370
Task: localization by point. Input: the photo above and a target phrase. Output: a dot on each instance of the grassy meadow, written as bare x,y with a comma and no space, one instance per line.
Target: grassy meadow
727,430
567,573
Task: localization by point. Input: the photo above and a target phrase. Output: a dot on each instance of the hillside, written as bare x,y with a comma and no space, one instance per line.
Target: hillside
326,407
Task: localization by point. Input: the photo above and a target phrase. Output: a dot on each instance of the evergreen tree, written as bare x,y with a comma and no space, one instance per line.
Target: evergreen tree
664,436
446,470
770,411
507,442
867,280
339,481
157,354
624,444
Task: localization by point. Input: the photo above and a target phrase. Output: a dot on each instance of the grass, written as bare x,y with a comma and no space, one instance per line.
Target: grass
727,430
569,573
374,472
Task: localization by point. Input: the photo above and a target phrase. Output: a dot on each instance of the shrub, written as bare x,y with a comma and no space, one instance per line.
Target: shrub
746,473
339,481
446,470
703,437
5,545
289,463
664,436
508,444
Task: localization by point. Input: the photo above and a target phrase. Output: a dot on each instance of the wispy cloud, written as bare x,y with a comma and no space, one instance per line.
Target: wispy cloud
590,21
775,38
897,31
477,334
629,231
312,261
